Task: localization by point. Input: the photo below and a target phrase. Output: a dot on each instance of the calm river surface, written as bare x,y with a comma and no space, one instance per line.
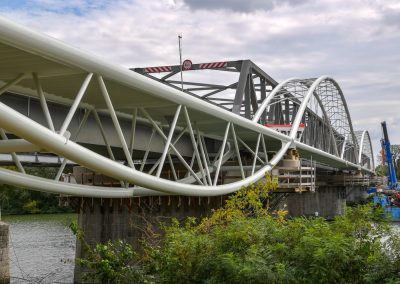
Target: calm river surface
42,248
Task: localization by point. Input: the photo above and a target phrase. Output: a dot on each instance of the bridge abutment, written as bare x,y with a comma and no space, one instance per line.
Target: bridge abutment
356,194
325,202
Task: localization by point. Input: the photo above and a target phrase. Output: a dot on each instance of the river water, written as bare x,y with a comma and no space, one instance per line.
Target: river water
42,248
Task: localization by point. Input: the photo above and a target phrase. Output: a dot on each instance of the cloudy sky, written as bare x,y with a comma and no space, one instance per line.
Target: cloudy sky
357,42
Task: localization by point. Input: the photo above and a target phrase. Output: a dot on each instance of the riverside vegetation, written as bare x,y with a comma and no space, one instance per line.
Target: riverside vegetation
17,201
243,242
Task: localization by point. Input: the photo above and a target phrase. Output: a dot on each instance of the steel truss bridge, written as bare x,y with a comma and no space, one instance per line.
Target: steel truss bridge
75,108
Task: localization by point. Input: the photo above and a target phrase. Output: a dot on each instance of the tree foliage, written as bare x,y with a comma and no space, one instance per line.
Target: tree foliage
244,243
16,200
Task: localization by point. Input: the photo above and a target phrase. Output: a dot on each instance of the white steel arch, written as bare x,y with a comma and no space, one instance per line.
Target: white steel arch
331,102
365,151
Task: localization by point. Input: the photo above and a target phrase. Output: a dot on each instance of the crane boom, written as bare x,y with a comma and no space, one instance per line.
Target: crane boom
392,179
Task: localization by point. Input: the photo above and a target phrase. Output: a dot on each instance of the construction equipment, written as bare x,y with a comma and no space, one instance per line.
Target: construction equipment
392,179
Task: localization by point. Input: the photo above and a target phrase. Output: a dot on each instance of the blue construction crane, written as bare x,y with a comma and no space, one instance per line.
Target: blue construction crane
392,179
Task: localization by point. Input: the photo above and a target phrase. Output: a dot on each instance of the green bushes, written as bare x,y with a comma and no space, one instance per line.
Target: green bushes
266,250
243,243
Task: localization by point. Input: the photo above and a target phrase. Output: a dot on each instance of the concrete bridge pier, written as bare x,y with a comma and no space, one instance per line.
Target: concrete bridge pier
4,257
326,202
356,194
134,219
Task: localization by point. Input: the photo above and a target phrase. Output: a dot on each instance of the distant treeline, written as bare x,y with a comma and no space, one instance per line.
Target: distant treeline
16,200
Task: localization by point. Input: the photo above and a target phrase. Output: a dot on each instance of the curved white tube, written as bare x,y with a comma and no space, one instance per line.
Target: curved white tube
364,134
266,101
39,135
361,148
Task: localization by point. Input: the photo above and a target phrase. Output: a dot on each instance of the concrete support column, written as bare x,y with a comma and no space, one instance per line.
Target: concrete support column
325,202
4,258
135,219
356,194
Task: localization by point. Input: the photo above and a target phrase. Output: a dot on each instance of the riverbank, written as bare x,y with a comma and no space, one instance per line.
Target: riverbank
42,248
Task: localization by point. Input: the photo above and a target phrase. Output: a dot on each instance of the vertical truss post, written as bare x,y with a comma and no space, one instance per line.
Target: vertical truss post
43,102
191,163
221,154
103,134
194,143
76,103
146,154
253,94
171,163
133,131
264,148
205,149
12,83
169,138
263,97
237,151
256,154
247,97
244,71
270,114
64,162
287,114
115,121
200,142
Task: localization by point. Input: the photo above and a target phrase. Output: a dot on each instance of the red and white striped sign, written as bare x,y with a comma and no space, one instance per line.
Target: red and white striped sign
158,69
213,65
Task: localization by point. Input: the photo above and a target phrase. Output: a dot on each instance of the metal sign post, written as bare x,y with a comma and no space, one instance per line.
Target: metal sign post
180,57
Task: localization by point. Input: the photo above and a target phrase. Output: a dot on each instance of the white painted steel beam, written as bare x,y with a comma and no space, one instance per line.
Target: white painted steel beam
11,83
168,141
17,145
114,118
43,102
76,103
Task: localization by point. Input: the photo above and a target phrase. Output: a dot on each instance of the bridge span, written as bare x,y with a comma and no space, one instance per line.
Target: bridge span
59,101
145,143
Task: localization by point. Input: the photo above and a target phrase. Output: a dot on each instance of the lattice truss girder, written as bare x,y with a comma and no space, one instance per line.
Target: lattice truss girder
228,148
